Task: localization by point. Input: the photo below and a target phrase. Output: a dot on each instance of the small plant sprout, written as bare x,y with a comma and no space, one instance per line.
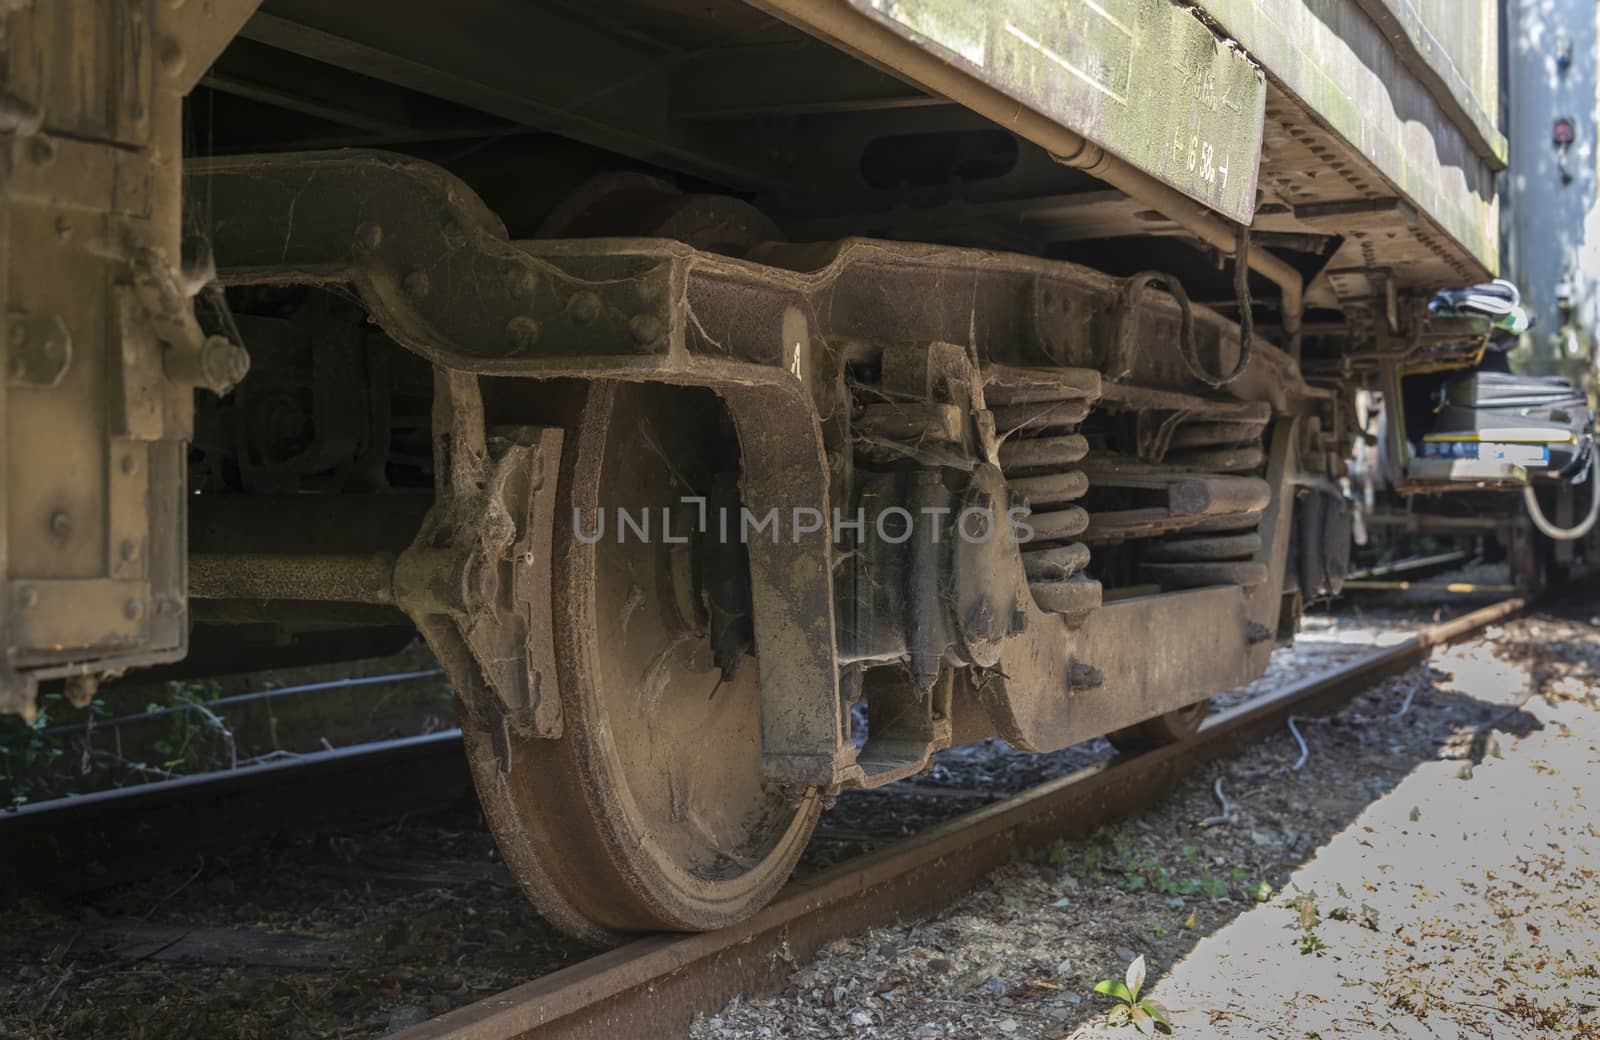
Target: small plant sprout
1144,1015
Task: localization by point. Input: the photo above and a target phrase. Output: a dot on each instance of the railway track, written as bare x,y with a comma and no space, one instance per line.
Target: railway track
866,876
93,841
105,838
657,985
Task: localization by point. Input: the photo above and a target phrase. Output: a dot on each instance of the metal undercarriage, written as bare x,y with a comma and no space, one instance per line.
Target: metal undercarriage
860,379
1139,348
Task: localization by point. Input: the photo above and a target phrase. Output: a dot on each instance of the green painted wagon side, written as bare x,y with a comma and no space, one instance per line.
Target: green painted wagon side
1411,86
1176,91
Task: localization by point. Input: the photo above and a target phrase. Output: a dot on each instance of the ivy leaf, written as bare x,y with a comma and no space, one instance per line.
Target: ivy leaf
1135,977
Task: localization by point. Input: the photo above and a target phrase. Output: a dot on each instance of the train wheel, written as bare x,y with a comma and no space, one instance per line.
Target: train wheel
1172,728
650,811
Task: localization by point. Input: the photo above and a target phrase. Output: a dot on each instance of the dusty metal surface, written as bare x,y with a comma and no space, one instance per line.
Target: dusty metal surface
1143,79
658,984
818,379
651,727
476,580
324,577
1340,65
1453,49
103,350
439,275
654,809
855,31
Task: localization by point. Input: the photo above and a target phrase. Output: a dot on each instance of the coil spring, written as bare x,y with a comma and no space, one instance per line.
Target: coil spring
1224,551
1037,414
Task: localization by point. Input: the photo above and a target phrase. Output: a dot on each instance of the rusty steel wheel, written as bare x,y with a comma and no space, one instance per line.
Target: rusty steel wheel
1172,728
650,811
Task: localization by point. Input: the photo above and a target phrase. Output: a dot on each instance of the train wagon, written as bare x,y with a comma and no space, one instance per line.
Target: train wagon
744,400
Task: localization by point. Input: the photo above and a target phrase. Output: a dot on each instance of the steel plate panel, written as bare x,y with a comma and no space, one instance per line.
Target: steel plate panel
1143,79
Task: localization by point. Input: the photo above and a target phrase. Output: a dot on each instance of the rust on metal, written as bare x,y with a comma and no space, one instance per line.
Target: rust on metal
415,379
659,984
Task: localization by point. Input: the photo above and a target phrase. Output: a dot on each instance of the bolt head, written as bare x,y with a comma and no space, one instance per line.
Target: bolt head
170,53
521,282
223,363
523,332
646,328
132,610
583,307
369,235
416,283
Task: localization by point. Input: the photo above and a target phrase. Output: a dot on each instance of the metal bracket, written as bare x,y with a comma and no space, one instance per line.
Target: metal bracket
41,349
477,579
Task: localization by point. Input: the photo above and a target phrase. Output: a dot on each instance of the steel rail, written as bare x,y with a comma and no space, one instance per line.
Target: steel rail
108,837
1412,565
655,986
1463,588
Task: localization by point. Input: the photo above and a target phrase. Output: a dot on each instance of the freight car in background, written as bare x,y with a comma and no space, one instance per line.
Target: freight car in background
534,296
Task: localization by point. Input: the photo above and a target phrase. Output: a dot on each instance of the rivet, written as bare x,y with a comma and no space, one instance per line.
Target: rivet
132,609
583,307
130,465
521,282
63,227
649,290
369,235
646,328
129,550
454,237
524,333
172,56
27,597
416,283
60,523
